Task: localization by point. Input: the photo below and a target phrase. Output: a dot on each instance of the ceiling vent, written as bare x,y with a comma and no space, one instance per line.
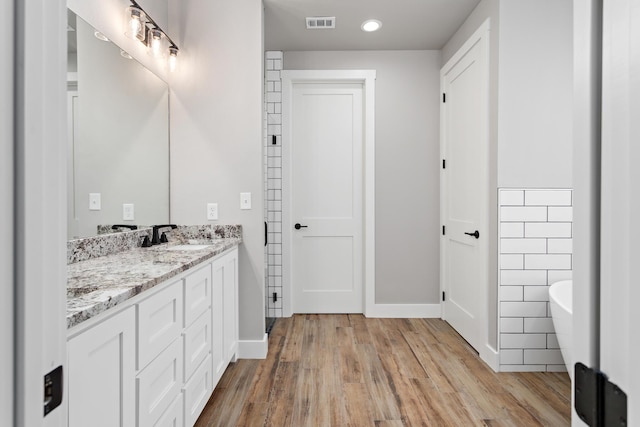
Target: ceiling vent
321,22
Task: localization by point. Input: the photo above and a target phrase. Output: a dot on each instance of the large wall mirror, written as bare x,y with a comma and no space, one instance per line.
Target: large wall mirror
118,136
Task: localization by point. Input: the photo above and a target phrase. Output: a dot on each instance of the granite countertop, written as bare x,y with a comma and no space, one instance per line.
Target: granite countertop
98,284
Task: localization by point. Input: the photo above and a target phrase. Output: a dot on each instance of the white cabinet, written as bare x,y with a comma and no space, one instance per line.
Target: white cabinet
156,361
197,392
224,312
197,293
101,365
173,416
159,322
159,384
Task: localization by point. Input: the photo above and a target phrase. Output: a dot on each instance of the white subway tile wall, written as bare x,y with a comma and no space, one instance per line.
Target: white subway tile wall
273,181
535,236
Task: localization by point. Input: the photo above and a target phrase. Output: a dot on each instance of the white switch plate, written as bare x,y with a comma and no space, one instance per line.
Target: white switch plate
128,213
245,200
212,211
94,202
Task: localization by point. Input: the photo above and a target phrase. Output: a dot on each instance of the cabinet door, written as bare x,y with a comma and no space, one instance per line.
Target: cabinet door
197,392
197,343
217,322
102,373
197,294
159,384
230,263
159,322
174,415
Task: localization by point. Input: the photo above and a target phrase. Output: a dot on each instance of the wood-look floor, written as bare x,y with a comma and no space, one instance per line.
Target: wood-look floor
347,370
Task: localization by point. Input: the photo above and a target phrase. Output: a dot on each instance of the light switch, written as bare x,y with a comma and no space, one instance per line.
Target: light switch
94,202
245,200
212,211
128,212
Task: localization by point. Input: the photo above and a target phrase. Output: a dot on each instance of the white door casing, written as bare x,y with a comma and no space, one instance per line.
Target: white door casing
465,189
363,236
326,197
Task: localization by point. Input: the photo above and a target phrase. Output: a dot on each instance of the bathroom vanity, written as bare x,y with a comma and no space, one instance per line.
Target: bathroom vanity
150,333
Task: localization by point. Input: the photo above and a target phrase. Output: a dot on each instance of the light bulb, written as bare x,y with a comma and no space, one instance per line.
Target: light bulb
173,58
155,42
134,23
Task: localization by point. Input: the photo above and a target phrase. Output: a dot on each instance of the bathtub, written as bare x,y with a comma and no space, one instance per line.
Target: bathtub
561,302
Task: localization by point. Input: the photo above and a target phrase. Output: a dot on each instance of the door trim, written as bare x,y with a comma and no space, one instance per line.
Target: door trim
367,78
480,36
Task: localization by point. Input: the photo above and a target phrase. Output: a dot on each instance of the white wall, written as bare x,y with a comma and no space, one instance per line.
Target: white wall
535,94
6,218
407,166
216,131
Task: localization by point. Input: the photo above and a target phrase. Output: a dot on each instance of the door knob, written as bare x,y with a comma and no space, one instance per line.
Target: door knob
298,226
475,234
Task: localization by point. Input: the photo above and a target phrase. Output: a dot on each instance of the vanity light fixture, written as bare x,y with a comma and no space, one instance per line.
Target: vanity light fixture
135,22
139,25
173,58
371,25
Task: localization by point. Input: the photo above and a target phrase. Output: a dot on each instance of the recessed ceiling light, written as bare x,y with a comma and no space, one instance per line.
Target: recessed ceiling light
101,36
371,25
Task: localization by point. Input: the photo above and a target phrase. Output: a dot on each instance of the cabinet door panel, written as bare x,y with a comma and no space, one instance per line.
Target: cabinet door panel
197,343
159,322
197,392
217,323
159,384
174,415
230,263
102,372
197,294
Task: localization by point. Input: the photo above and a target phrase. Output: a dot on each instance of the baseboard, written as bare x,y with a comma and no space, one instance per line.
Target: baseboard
405,311
253,349
491,357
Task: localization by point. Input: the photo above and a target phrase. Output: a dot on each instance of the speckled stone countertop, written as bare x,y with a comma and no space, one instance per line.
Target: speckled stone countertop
98,284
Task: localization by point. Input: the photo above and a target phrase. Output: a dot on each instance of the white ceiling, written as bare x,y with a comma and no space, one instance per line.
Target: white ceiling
406,24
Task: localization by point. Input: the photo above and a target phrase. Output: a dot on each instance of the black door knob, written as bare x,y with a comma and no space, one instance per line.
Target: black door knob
298,226
475,234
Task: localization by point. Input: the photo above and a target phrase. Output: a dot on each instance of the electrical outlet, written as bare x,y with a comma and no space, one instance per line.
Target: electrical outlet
128,213
94,202
212,211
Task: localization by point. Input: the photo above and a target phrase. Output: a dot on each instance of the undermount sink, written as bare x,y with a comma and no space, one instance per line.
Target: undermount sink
187,247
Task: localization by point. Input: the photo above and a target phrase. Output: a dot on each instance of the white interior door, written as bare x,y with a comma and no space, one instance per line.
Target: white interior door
326,197
464,192
620,198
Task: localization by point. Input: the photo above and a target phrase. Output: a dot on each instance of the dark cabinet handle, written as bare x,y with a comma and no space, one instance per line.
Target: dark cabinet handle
298,226
475,234
266,233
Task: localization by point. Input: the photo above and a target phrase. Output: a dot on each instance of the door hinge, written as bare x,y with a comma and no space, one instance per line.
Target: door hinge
444,97
443,296
599,402
444,164
444,230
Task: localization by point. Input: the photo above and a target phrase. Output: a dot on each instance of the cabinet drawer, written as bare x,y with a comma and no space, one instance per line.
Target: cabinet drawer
197,343
174,415
197,294
159,322
159,384
197,392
